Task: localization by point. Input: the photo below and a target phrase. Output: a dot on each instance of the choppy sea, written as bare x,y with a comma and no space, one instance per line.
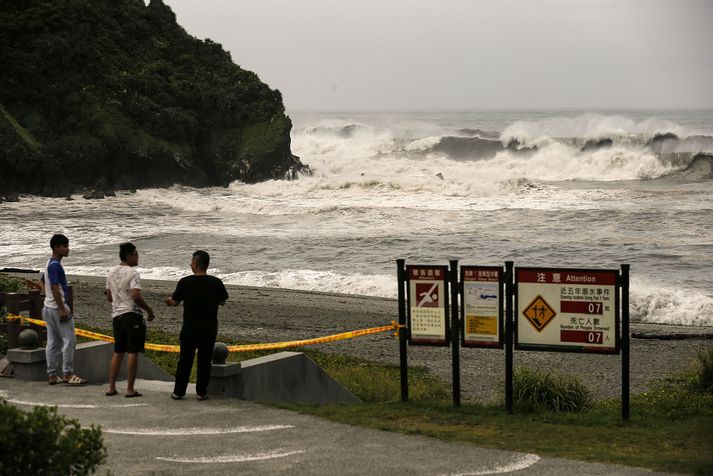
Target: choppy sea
540,188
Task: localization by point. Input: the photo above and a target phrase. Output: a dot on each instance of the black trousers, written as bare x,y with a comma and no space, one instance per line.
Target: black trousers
190,343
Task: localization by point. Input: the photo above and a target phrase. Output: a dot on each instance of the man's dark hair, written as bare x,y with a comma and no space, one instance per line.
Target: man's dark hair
202,259
58,239
125,249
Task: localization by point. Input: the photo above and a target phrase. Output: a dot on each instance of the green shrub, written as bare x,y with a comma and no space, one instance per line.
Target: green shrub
43,442
8,284
537,390
704,371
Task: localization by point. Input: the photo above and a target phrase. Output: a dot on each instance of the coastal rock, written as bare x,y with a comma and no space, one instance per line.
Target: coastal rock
92,194
10,197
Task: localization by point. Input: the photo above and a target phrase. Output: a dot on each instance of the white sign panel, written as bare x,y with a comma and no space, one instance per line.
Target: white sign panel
567,309
482,310
427,304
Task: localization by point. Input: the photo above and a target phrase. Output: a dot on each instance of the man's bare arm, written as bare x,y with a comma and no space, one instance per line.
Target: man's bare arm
139,300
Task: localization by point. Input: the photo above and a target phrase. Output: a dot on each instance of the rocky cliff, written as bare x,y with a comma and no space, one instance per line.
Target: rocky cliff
116,92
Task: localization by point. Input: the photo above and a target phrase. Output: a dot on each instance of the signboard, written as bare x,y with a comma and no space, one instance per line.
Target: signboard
427,304
571,310
482,309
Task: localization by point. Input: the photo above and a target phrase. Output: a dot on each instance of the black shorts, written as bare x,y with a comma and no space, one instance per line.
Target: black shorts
129,333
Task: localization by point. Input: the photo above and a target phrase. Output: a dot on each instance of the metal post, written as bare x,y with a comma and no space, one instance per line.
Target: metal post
36,304
455,332
403,358
509,295
625,342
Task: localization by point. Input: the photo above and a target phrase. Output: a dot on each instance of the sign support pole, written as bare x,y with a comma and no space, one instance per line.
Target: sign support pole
625,342
509,294
455,332
403,358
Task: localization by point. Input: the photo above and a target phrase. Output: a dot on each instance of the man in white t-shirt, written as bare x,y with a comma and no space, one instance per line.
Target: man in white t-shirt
123,290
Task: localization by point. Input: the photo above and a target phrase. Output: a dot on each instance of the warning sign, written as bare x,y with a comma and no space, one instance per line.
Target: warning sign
567,309
539,313
427,295
427,304
482,310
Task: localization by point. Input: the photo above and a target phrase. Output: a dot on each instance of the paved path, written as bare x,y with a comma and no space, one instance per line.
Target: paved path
156,435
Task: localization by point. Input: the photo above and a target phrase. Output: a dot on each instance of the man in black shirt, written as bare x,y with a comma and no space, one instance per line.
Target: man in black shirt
201,295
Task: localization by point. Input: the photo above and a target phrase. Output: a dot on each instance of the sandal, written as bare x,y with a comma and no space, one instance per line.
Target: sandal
75,380
111,394
55,380
133,395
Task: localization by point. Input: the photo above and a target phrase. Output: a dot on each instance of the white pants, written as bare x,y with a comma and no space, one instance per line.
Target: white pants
60,340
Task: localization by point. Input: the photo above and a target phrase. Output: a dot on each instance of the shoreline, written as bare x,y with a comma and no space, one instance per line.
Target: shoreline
255,314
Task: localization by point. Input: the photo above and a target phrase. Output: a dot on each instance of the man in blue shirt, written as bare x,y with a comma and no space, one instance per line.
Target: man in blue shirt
58,316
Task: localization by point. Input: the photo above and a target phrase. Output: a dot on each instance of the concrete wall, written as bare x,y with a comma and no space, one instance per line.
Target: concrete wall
281,377
91,361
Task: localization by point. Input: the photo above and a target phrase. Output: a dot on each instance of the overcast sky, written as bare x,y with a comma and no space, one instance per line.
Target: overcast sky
467,54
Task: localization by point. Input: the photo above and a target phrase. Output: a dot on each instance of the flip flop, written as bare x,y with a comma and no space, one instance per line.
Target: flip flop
75,380
132,395
111,394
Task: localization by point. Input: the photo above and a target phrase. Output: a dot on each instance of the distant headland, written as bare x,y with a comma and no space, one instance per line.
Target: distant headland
114,94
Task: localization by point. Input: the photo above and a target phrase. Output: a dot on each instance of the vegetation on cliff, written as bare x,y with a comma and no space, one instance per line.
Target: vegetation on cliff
116,92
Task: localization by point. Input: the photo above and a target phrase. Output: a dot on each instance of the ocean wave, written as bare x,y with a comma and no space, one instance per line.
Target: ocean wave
700,169
338,130
657,304
586,127
491,135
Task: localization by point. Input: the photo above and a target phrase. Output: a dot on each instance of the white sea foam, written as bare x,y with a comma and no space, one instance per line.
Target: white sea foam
301,279
660,304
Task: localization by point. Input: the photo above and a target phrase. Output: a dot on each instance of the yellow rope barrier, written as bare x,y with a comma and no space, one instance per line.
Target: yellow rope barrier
235,348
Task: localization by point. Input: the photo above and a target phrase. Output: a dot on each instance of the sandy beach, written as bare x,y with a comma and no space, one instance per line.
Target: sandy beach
274,315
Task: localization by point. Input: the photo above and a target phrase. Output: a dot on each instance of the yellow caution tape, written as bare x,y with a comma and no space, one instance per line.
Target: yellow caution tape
236,348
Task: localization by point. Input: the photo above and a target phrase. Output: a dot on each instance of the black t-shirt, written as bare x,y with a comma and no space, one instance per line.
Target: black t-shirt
201,295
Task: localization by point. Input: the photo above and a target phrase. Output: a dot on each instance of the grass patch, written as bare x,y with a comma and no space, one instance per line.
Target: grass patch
671,429
703,372
535,390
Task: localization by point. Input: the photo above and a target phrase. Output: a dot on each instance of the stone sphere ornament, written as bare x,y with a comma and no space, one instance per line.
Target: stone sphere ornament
220,353
28,339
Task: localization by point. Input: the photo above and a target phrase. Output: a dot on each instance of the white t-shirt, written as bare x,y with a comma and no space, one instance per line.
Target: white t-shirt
120,281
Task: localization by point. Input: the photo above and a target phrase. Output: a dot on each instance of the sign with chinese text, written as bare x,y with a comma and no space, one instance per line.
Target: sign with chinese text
567,309
481,312
427,304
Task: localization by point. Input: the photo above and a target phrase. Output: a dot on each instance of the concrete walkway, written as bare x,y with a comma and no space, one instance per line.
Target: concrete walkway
156,435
